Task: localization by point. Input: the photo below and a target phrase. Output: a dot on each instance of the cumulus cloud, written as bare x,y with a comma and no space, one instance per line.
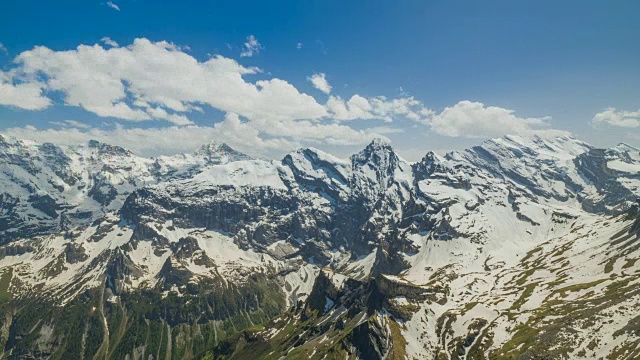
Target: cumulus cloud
381,108
156,80
251,47
107,41
319,81
617,118
357,107
474,119
242,135
26,96
113,6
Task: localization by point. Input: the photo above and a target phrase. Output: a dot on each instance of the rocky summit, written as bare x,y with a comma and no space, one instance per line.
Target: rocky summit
519,248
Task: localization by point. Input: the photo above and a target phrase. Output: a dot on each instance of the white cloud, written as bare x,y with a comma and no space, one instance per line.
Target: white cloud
3,49
403,106
243,136
149,80
107,41
309,132
26,96
617,118
299,45
113,6
357,107
71,123
251,47
320,82
474,119
381,108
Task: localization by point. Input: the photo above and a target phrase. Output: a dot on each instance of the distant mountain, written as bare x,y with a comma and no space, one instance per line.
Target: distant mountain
48,188
516,248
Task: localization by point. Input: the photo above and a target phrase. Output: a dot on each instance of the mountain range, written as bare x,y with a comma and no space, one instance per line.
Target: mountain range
519,248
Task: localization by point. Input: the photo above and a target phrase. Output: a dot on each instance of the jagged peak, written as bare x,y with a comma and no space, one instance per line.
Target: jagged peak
379,143
314,155
219,149
624,147
104,148
8,140
4,141
212,146
377,146
431,157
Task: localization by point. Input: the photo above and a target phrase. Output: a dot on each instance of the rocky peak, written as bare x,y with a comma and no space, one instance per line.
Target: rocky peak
376,168
219,153
106,149
625,153
319,170
377,157
624,147
428,165
377,149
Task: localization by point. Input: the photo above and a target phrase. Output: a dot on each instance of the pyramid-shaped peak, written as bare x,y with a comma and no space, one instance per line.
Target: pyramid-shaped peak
379,152
376,146
379,142
431,157
213,151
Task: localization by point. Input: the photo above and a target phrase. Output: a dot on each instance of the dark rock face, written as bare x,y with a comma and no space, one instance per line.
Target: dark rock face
102,192
634,213
82,183
59,162
390,254
106,149
593,166
370,340
337,308
391,288
259,216
119,268
46,204
75,253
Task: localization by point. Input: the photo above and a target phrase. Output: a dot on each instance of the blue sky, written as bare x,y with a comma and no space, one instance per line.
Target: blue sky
558,65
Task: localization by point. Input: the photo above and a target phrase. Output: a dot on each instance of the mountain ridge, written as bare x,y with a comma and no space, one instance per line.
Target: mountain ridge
216,243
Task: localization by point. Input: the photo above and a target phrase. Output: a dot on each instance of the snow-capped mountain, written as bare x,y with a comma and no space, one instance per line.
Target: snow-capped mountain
48,188
515,248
